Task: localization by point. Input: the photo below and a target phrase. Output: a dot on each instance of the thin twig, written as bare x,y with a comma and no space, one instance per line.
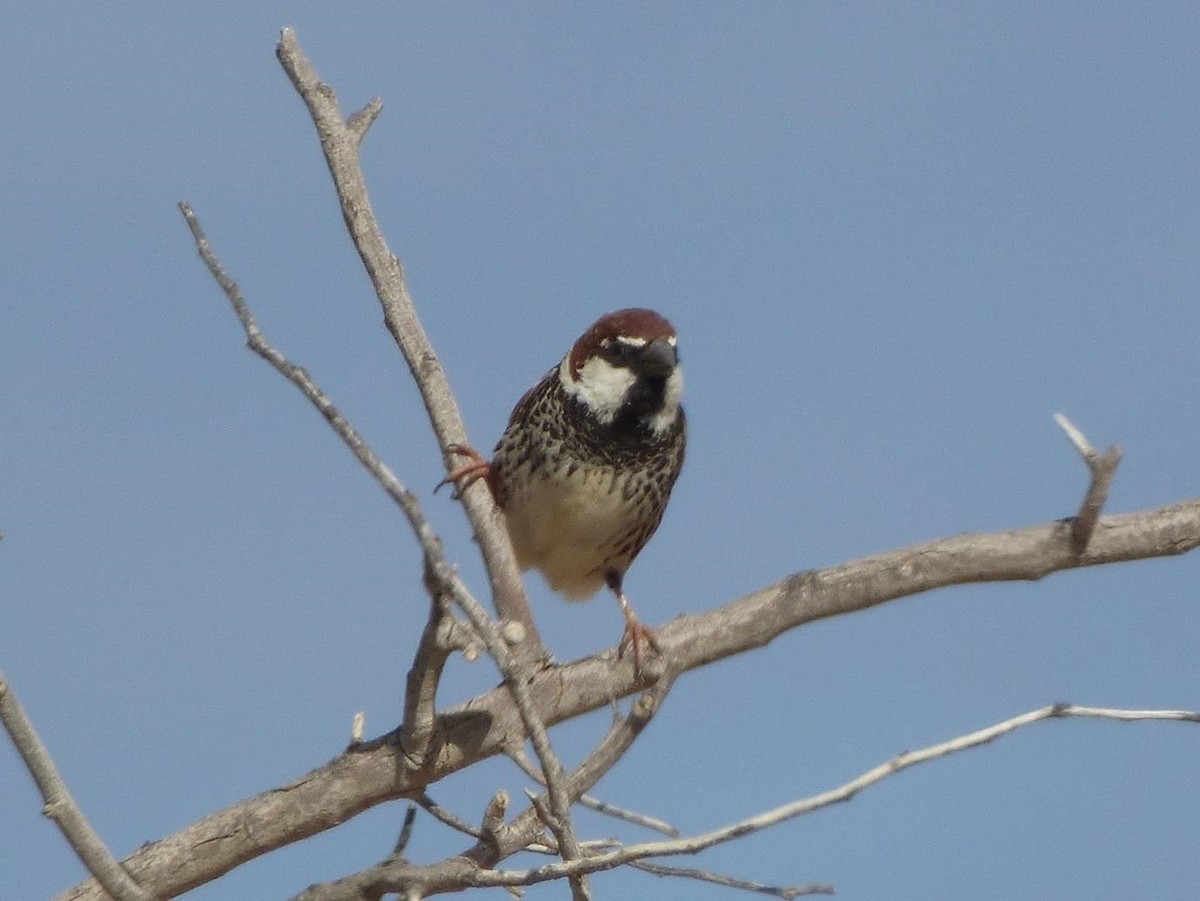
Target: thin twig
358,123
787,892
438,573
630,816
445,816
406,831
60,806
440,578
559,819
604,756
618,857
298,376
1103,467
596,846
527,766
804,806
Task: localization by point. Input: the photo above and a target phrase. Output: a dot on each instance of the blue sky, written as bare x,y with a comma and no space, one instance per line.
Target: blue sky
894,240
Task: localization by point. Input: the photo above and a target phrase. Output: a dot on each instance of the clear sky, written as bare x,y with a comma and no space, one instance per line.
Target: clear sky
894,239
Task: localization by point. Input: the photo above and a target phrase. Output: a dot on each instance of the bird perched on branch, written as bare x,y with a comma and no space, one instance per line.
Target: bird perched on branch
585,468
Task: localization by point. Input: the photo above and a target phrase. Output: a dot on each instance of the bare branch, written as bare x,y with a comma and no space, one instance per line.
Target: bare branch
445,816
440,579
466,869
419,729
878,774
375,772
516,680
406,831
614,858
340,144
1103,467
558,816
431,545
786,892
629,816
529,768
358,123
60,806
493,816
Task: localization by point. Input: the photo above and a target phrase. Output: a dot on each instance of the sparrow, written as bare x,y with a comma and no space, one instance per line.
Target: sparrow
585,468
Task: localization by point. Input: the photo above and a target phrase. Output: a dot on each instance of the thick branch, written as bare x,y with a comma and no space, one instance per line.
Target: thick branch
340,144
375,772
60,805
464,869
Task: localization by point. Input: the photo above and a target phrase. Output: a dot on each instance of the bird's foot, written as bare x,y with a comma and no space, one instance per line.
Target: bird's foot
636,633
462,477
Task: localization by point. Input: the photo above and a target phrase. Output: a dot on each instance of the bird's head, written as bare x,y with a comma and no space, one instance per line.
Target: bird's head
625,370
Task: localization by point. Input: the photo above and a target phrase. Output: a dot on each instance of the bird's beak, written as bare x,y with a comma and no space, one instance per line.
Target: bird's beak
658,359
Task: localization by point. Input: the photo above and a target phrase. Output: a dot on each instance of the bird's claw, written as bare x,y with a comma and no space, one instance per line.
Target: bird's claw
462,477
635,633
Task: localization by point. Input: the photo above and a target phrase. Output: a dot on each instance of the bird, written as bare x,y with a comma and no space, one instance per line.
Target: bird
586,465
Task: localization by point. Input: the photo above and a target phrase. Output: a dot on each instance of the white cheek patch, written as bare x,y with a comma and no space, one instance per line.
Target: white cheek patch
600,385
665,418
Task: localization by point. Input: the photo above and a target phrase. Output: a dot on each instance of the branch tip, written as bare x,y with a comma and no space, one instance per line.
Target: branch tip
493,816
1075,436
360,122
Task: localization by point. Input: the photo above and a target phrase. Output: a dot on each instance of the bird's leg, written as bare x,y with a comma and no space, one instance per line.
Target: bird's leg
462,477
635,630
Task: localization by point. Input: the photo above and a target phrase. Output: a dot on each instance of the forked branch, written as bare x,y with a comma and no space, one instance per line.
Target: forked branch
472,868
1103,467
441,580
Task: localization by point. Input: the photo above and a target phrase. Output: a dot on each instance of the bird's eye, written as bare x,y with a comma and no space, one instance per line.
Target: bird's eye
618,350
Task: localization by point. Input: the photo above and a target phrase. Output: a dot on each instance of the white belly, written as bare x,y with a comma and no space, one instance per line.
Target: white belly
578,522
